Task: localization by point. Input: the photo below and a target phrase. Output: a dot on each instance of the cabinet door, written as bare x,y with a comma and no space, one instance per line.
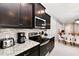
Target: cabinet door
47,21
43,50
26,15
52,43
39,10
47,18
35,51
9,13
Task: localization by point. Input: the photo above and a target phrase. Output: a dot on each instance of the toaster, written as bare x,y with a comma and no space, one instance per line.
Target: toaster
6,42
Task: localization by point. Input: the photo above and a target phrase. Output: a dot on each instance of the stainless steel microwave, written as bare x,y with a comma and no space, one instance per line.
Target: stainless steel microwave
39,22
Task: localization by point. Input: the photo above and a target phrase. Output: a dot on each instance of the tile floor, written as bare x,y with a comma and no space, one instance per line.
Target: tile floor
61,49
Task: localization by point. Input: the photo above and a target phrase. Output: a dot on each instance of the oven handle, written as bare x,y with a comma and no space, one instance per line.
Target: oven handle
44,43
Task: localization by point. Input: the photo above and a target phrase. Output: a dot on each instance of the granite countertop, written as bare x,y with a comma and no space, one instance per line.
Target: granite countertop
18,48
49,36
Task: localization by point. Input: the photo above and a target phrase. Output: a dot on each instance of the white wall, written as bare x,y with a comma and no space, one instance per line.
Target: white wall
59,27
72,28
69,28
55,27
76,28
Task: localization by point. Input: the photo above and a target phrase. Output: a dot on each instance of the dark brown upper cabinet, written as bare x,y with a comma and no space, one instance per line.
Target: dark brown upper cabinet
9,13
47,18
26,15
39,10
16,15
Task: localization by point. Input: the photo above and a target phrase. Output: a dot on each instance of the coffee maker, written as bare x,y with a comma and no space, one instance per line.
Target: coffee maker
21,37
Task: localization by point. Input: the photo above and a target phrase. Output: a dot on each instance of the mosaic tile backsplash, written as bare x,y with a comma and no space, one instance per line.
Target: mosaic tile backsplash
12,32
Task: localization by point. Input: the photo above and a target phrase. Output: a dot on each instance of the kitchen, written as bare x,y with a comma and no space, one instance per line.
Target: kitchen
23,30
39,29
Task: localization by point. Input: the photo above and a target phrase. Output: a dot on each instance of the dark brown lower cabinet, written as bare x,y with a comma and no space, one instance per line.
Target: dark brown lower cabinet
51,44
47,47
35,51
44,49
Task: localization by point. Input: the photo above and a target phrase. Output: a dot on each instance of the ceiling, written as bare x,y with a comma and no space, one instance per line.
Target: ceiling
64,12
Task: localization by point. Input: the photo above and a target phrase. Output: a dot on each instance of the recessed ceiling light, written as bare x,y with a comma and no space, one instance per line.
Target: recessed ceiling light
77,21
